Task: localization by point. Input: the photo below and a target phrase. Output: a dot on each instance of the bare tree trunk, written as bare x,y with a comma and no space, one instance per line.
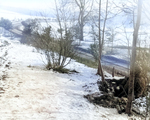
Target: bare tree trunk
81,31
133,59
101,39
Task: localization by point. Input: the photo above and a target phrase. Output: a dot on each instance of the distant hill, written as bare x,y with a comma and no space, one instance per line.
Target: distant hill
24,11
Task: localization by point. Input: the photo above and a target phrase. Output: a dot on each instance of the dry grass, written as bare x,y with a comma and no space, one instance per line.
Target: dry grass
141,72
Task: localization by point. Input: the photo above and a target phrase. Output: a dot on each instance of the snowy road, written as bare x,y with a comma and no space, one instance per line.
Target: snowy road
17,28
32,93
110,62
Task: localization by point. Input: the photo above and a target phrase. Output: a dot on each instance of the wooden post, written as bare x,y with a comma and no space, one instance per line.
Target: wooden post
113,71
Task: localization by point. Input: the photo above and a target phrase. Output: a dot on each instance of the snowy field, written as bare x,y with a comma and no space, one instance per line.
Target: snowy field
33,93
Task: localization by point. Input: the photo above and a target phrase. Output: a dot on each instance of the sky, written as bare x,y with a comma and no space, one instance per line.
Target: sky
30,4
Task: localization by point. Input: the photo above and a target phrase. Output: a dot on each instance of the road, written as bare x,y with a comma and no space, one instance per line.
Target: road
108,62
17,28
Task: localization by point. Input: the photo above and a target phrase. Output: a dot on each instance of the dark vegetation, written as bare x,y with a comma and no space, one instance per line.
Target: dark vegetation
6,24
65,70
94,50
114,92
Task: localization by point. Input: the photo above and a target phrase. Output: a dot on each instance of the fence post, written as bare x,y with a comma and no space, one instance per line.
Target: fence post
113,70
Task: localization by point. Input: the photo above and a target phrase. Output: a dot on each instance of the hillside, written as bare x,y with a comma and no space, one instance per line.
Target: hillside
31,92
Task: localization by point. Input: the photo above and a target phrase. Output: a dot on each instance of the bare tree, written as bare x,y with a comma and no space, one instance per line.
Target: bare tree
101,37
85,7
133,59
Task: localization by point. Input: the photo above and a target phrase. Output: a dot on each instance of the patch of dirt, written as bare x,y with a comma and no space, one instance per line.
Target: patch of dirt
26,95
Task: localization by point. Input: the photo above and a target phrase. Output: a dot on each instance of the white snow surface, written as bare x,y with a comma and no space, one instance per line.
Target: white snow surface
33,93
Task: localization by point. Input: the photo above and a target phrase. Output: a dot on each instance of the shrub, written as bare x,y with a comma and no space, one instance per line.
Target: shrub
141,72
94,49
58,51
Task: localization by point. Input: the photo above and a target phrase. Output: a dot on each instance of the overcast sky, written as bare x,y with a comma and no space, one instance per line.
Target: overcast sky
31,4
38,5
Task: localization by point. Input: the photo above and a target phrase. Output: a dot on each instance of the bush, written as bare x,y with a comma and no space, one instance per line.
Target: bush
94,49
58,51
142,67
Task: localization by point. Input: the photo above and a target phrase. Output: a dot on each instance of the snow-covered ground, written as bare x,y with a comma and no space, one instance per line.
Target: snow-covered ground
31,92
